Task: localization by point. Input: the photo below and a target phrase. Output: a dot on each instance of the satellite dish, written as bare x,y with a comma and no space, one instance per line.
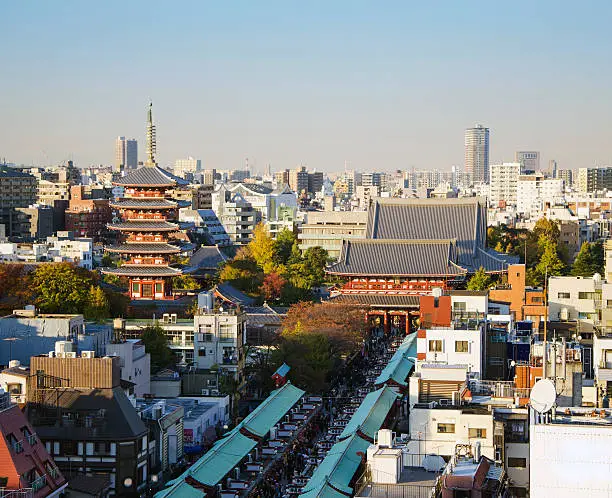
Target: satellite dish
543,396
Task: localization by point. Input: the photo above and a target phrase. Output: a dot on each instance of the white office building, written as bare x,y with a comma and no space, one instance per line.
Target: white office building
185,167
535,192
503,183
570,454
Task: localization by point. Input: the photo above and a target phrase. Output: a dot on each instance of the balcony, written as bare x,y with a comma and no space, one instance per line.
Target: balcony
32,439
17,446
39,483
16,493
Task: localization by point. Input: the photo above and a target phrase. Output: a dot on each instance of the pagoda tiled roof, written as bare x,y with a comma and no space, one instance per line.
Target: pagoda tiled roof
129,202
376,257
145,226
378,300
141,248
464,220
150,176
143,271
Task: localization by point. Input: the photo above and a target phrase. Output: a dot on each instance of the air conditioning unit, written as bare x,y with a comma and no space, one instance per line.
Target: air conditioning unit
432,404
446,402
214,392
205,392
88,354
70,354
59,354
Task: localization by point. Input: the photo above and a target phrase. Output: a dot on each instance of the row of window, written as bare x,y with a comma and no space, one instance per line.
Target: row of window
472,432
581,295
435,346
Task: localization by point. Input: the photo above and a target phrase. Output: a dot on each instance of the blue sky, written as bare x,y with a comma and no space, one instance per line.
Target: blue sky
383,85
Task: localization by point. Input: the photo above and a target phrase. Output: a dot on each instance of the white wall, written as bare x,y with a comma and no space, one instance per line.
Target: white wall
425,437
567,461
572,286
472,358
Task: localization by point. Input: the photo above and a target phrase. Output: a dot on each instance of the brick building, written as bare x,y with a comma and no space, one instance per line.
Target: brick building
86,217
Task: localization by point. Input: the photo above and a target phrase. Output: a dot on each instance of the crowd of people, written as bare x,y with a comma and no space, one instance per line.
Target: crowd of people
291,472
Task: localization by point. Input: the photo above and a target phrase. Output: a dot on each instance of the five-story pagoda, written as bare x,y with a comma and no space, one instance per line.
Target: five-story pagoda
147,214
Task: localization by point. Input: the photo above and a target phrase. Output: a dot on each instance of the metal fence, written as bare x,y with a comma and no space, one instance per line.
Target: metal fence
16,493
407,490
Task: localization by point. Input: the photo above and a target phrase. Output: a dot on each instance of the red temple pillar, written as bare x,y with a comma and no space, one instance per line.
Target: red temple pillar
386,322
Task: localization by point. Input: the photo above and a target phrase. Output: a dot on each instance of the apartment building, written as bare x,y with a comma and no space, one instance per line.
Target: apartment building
329,229
86,421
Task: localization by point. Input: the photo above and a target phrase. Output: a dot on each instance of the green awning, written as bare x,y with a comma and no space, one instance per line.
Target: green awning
274,407
337,469
400,364
371,414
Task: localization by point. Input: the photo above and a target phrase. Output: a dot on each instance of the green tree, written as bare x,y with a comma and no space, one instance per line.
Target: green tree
156,344
185,282
590,260
61,288
283,246
479,281
550,264
310,357
242,271
547,228
97,307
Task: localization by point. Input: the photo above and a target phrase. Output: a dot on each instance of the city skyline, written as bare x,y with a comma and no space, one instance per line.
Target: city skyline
382,89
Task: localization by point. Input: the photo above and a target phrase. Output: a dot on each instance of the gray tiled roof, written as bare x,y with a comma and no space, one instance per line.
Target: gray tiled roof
230,293
207,257
253,187
129,202
464,220
121,421
143,225
153,176
152,248
378,300
396,257
142,271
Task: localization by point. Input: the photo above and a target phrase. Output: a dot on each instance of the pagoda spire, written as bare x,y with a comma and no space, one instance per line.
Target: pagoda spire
151,139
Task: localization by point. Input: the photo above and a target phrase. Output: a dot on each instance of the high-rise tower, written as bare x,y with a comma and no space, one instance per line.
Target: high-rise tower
477,153
151,139
126,154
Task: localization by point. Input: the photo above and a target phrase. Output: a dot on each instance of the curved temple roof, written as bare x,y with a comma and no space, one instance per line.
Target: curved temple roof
150,176
144,248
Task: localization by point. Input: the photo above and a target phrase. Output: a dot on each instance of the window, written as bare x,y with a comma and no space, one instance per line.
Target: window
446,428
435,346
135,287
147,290
517,462
158,288
102,448
587,295
477,433
226,332
69,448
202,352
459,306
563,295
461,346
